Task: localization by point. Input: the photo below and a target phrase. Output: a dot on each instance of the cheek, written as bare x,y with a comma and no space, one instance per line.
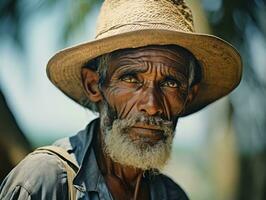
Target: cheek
174,103
122,99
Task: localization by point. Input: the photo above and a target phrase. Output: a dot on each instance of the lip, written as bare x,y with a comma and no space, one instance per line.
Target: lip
152,133
149,127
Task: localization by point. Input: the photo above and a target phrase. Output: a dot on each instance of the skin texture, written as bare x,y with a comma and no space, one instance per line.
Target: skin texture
149,80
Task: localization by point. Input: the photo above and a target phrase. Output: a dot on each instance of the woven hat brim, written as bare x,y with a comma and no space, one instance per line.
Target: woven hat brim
220,62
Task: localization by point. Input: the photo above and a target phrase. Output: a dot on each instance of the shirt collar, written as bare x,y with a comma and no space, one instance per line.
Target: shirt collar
89,177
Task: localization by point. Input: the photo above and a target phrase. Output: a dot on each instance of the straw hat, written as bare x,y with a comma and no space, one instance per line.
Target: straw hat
137,23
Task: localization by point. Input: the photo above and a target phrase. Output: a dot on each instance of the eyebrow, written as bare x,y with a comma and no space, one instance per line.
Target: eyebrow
130,69
129,66
175,76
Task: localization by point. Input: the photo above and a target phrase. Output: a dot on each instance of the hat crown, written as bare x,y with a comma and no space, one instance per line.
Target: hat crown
120,16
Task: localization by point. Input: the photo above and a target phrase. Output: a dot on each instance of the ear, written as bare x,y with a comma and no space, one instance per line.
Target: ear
193,93
90,80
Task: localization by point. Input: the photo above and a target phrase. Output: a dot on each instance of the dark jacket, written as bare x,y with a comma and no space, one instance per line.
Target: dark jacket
43,176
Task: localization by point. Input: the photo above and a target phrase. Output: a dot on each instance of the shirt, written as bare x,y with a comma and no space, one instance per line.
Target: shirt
43,177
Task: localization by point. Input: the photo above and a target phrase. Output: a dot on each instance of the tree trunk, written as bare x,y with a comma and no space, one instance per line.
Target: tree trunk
13,143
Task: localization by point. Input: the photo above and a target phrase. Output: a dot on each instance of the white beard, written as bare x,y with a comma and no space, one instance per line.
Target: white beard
120,147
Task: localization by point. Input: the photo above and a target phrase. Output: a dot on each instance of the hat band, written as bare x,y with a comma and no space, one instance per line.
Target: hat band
140,25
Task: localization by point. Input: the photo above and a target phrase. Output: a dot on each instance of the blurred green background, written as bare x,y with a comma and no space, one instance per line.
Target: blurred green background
219,152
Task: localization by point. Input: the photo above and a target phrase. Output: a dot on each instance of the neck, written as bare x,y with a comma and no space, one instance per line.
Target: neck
129,175
121,180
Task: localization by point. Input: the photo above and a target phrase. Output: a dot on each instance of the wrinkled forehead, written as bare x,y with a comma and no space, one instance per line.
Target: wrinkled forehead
171,52
169,55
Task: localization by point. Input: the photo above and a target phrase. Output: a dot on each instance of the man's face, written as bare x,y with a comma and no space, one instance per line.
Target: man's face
144,92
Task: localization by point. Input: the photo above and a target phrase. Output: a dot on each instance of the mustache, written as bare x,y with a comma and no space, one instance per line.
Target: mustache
152,120
109,118
143,119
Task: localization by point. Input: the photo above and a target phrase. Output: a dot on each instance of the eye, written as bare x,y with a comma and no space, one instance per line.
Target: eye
170,83
129,78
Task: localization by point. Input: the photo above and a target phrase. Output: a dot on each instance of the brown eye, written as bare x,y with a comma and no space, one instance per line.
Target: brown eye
170,83
129,79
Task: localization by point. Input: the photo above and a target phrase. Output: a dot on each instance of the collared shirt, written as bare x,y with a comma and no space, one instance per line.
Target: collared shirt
43,176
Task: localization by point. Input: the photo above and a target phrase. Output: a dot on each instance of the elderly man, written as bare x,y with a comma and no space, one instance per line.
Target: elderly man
145,69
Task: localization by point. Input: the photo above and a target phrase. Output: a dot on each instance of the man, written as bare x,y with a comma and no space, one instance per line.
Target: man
145,69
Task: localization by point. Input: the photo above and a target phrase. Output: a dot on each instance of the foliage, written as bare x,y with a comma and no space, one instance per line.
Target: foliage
242,22
14,13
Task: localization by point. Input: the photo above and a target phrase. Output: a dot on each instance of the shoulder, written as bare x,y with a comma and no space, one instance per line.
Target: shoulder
174,191
40,176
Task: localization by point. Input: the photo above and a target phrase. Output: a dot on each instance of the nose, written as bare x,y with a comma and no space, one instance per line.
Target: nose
150,103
